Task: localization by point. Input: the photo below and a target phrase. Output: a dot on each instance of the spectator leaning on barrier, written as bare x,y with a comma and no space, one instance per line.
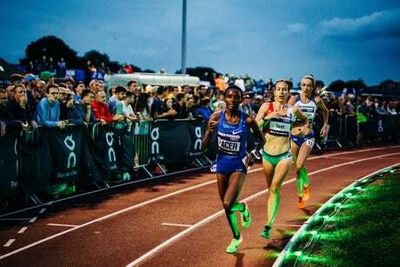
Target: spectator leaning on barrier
120,131
158,108
127,110
17,111
84,111
142,107
193,105
101,110
75,114
120,94
62,99
181,108
135,90
113,100
362,119
48,109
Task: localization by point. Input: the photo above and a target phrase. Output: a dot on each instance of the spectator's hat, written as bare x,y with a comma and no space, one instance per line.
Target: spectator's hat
46,75
30,77
248,96
69,79
259,97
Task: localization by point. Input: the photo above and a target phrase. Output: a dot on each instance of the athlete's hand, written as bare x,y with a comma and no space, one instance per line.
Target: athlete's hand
324,130
252,157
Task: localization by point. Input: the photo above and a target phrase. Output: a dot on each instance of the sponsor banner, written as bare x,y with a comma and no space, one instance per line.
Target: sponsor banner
100,154
195,129
36,160
66,151
170,141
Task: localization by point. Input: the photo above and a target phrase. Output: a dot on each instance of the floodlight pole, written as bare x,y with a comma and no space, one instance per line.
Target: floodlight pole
183,55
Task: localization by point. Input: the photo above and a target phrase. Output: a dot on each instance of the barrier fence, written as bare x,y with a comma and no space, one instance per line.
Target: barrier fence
32,160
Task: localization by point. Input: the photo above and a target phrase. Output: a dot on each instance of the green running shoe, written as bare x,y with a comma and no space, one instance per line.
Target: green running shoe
266,233
233,246
245,216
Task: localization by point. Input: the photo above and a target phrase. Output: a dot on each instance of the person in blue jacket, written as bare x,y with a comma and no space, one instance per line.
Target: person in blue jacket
48,109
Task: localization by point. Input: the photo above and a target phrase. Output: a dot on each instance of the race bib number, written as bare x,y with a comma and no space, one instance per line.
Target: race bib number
228,147
310,142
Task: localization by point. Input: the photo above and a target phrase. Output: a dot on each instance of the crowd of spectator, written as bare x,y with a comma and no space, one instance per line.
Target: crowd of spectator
32,100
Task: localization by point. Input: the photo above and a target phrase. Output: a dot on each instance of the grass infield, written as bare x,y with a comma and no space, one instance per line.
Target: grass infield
365,232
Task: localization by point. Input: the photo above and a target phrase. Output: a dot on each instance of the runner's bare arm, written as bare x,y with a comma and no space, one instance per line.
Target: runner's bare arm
325,115
211,125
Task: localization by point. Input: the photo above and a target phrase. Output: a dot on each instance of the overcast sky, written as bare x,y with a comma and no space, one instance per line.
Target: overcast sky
278,38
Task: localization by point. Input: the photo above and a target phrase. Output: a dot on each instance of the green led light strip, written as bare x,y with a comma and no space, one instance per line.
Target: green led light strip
344,194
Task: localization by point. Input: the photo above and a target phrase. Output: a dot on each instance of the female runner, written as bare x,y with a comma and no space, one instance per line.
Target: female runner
276,118
303,141
232,128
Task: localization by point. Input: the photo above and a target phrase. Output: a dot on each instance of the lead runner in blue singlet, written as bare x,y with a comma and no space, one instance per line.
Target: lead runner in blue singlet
232,128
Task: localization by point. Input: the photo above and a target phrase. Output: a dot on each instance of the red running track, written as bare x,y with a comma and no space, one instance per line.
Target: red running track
177,222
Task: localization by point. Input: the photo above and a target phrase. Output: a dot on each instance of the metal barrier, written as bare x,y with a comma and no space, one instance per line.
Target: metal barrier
162,142
141,141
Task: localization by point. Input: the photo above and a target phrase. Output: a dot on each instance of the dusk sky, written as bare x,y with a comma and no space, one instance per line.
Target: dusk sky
279,39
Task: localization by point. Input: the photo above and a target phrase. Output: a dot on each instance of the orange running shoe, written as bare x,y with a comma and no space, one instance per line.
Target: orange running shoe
301,203
306,193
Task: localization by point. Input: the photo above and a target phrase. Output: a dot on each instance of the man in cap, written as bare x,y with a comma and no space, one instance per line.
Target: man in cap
47,76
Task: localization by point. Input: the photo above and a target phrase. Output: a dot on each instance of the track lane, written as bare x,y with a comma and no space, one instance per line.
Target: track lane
206,202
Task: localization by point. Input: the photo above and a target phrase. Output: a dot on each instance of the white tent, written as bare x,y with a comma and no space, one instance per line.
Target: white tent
152,79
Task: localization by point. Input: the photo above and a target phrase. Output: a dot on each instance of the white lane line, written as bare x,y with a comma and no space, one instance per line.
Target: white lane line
311,158
63,225
42,211
22,230
168,242
177,224
9,242
141,205
33,219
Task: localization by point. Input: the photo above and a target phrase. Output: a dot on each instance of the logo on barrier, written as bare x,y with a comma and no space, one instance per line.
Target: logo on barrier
70,144
155,147
110,142
197,143
380,126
